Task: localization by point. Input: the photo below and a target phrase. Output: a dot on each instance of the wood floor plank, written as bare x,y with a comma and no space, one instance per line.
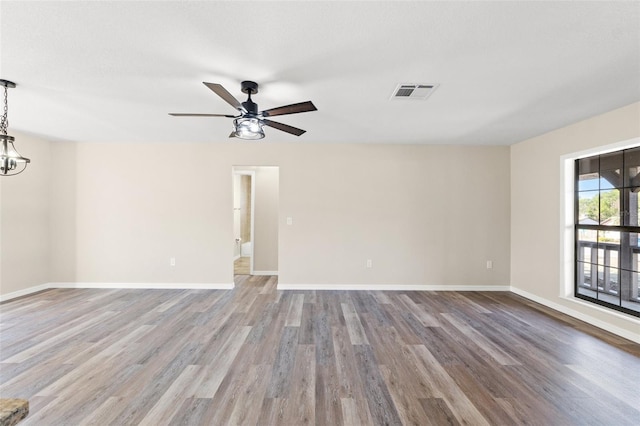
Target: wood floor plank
294,316
381,297
351,388
232,403
328,405
172,302
354,326
407,405
480,396
301,409
270,286
245,410
381,406
29,378
55,340
462,407
272,411
214,373
306,332
350,412
426,319
105,413
625,390
267,348
323,338
400,325
500,356
168,405
284,363
378,317
144,389
72,405
257,355
38,402
229,392
191,412
438,412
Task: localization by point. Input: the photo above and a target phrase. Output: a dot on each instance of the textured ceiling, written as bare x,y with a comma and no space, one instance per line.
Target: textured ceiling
111,71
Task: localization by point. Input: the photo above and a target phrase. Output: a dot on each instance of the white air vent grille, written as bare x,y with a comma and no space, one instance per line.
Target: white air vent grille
413,91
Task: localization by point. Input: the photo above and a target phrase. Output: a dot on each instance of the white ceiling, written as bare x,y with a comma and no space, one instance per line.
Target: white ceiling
111,71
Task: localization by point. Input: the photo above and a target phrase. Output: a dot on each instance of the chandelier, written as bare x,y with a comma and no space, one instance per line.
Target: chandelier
11,162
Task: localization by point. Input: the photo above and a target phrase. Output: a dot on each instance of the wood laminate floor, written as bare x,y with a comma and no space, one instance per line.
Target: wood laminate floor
254,355
241,266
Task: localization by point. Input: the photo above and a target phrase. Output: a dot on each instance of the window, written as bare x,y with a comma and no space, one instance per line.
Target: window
607,246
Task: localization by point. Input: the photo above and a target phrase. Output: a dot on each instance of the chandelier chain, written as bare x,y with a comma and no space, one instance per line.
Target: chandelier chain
5,120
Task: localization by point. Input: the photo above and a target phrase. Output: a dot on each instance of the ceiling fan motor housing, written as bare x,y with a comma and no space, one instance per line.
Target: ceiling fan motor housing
251,107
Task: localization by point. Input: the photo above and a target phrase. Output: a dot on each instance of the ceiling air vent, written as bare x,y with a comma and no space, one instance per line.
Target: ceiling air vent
414,91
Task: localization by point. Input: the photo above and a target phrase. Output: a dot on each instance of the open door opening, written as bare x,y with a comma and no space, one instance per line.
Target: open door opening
255,220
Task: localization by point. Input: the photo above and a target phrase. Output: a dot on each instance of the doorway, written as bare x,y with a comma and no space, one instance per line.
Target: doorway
243,221
255,220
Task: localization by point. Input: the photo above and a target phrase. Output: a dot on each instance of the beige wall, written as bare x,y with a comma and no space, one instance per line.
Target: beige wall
266,220
428,215
116,213
535,206
138,205
424,214
25,220
63,183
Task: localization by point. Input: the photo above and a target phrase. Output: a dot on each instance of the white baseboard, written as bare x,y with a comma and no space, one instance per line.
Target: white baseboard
392,287
265,272
24,292
157,286
236,258
634,337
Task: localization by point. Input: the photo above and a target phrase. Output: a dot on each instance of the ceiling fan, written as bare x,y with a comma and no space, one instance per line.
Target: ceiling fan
248,124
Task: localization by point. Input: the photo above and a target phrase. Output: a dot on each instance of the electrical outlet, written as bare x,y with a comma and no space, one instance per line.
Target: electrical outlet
172,261
289,220
489,264
369,263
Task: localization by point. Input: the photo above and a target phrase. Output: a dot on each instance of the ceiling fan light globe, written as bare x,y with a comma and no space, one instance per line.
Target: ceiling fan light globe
248,128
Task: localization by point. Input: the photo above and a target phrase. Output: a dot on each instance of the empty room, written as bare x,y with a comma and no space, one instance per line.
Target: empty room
319,213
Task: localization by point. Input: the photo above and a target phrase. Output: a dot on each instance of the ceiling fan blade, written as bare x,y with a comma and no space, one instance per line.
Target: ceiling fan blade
179,114
290,109
224,94
284,127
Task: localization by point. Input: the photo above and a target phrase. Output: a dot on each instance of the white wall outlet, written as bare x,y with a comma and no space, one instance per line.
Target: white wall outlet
289,220
172,261
369,263
489,264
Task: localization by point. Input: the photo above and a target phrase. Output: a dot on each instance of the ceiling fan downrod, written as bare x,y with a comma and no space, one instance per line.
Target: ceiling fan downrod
250,87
